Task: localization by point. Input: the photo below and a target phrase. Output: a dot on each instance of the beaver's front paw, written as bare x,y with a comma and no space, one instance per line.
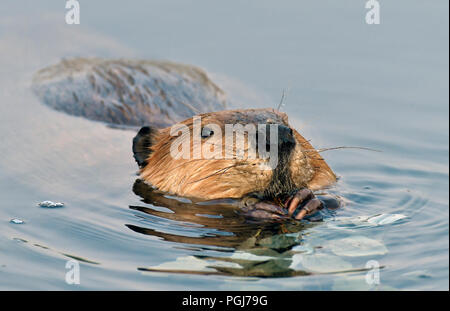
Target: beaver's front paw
303,203
261,210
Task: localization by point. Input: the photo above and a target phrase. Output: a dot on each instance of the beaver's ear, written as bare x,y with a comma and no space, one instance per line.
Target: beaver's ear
141,145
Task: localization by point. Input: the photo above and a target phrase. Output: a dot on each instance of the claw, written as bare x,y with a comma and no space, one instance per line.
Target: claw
310,207
303,203
301,196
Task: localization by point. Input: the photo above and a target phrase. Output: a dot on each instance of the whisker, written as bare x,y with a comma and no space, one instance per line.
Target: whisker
283,97
221,171
342,147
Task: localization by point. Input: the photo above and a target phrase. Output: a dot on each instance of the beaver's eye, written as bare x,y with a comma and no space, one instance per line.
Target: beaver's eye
207,132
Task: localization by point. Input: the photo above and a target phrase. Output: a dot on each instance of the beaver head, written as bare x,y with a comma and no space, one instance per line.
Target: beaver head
199,158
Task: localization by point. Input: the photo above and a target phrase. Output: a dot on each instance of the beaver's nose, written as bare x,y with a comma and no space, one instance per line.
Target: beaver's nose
285,136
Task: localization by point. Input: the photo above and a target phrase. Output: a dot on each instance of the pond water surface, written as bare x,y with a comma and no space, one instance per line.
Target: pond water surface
378,86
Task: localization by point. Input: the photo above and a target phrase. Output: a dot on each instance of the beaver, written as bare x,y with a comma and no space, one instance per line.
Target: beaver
127,92
283,191
159,94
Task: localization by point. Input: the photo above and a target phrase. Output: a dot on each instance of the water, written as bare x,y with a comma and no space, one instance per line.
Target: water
383,87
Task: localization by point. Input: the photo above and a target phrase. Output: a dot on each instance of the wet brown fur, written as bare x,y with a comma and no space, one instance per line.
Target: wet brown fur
232,178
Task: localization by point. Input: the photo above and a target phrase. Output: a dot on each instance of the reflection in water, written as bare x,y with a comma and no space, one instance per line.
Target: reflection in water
246,248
